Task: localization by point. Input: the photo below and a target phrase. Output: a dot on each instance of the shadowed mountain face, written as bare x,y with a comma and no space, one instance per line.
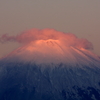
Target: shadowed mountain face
48,70
19,81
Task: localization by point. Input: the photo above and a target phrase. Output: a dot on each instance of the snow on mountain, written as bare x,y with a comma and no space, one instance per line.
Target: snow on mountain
52,51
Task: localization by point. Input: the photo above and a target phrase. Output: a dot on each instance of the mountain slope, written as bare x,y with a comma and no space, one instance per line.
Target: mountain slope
52,51
50,70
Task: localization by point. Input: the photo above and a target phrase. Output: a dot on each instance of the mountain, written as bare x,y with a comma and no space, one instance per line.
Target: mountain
50,70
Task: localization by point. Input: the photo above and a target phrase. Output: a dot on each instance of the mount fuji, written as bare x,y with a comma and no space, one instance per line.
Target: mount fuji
49,70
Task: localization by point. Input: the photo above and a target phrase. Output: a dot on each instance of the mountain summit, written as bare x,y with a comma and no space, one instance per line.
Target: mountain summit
52,51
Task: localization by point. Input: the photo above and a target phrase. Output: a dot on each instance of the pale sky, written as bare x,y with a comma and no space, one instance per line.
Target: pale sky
80,17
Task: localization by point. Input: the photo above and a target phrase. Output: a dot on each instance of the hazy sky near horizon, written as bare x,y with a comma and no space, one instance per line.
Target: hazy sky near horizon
80,17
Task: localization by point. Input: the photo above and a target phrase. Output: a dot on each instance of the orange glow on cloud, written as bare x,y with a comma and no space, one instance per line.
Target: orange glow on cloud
33,35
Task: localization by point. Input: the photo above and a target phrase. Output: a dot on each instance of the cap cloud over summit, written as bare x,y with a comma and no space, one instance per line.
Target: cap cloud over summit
32,35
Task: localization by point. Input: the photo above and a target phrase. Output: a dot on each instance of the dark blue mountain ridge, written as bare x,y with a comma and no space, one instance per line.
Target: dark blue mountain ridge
30,82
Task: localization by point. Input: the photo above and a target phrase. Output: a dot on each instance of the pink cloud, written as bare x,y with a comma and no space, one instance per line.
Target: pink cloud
33,35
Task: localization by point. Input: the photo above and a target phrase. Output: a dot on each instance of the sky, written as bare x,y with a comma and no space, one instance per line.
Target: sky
80,17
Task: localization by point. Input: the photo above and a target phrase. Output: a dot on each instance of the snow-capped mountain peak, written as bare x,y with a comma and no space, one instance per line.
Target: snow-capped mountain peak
48,68
52,51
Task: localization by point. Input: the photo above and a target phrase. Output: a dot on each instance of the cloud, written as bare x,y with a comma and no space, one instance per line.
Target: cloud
5,38
33,35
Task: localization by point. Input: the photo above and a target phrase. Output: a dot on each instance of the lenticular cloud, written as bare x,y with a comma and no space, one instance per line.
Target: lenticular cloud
68,39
